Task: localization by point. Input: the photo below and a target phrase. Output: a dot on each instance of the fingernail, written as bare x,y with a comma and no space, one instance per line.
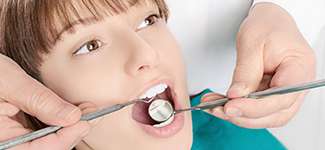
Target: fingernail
233,112
68,112
205,96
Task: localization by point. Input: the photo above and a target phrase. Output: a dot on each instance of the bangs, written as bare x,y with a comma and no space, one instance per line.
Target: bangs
31,27
62,14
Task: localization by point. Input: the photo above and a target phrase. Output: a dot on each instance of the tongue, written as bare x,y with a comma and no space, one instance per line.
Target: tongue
163,96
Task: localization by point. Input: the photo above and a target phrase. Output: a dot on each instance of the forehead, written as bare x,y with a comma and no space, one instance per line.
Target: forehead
65,14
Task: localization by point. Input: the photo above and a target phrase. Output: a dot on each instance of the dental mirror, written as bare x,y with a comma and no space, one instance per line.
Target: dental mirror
160,110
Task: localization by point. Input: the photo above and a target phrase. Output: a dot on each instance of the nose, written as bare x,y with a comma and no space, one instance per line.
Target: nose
142,56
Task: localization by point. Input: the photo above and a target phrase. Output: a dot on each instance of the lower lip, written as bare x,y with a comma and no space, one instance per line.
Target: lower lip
169,130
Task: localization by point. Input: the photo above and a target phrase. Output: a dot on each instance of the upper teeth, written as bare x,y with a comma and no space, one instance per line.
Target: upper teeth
160,88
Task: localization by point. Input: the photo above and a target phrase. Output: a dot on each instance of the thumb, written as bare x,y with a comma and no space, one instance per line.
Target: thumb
249,68
19,89
35,99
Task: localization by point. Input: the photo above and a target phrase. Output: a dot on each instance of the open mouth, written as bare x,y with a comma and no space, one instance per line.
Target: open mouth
144,112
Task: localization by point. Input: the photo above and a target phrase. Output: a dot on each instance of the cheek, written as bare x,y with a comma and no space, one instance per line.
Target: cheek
171,56
171,60
162,40
94,81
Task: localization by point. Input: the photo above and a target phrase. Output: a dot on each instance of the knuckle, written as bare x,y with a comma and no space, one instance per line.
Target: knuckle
7,109
2,100
38,100
250,38
6,62
278,104
287,103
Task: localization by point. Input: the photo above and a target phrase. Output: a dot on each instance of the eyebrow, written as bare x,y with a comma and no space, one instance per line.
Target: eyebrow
70,27
81,21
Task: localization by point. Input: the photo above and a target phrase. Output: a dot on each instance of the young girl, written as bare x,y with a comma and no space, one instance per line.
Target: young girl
106,52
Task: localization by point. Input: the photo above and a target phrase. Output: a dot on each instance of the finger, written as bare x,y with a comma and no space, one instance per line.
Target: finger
211,97
32,97
275,120
256,108
265,83
218,111
87,108
293,71
65,138
249,66
7,109
10,128
283,77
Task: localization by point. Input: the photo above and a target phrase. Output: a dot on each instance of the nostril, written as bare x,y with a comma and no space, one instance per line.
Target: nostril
144,67
141,68
139,65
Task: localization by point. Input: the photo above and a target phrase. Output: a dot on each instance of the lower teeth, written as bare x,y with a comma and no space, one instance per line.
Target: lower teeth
167,122
161,111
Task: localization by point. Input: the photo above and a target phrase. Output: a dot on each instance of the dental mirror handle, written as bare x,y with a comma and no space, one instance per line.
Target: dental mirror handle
258,95
52,129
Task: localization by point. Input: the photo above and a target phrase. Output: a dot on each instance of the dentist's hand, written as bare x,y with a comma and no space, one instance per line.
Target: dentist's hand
271,52
19,92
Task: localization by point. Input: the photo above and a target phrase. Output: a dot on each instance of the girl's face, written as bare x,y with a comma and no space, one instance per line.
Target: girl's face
116,60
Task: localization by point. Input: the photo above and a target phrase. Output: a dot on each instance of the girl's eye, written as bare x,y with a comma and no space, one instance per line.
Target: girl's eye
152,19
89,47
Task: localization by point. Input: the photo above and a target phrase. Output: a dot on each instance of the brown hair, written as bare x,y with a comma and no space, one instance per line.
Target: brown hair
30,27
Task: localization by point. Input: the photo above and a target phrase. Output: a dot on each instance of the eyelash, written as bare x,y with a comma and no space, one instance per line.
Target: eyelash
89,45
149,21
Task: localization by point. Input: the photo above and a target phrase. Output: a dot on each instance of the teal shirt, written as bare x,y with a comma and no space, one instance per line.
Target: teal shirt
211,133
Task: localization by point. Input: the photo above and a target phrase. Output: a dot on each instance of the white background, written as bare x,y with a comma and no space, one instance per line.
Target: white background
206,30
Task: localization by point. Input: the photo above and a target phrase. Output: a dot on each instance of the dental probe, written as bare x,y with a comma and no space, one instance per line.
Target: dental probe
52,129
258,95
206,105
161,110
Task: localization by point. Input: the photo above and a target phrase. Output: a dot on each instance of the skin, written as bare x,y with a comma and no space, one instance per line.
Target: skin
271,52
286,42
116,72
